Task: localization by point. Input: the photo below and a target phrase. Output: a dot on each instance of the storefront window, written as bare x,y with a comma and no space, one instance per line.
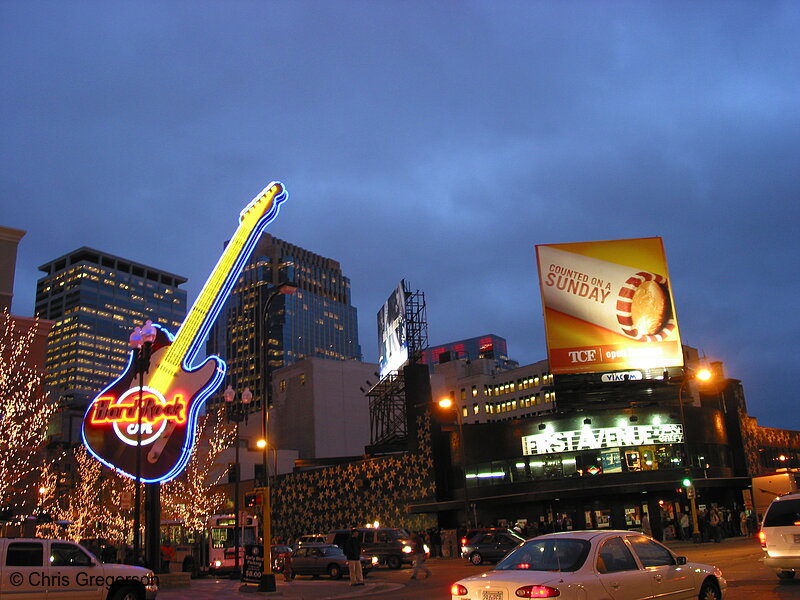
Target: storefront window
587,463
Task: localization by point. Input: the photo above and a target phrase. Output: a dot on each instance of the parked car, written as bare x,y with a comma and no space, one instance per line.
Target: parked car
279,554
311,538
391,546
32,568
780,536
572,565
490,545
324,559
471,533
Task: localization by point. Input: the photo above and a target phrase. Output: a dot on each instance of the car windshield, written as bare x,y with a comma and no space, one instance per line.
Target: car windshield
561,554
783,513
332,551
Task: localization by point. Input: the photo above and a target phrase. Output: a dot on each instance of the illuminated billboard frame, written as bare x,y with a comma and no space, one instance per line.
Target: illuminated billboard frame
392,339
608,306
175,388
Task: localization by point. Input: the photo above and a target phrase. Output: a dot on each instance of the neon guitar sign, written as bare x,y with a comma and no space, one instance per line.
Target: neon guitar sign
175,389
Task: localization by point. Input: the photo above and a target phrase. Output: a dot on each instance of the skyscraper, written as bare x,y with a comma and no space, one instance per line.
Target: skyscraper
316,321
96,299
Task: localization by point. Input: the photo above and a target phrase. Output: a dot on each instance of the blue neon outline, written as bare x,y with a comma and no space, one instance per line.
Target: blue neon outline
191,352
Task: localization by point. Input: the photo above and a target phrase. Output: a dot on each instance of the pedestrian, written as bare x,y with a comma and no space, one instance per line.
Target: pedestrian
646,529
714,523
352,551
418,549
287,566
684,523
743,523
436,542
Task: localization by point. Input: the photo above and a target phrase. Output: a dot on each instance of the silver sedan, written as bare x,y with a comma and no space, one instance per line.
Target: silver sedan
593,565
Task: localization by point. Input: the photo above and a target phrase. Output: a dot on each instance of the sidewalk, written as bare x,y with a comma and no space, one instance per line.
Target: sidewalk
321,589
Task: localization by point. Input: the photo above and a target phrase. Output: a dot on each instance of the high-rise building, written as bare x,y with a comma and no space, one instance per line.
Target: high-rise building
96,299
318,320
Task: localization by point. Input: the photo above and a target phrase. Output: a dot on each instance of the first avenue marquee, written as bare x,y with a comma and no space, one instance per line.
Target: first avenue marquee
586,438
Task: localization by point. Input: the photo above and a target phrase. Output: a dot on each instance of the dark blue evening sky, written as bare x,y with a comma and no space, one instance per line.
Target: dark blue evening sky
432,141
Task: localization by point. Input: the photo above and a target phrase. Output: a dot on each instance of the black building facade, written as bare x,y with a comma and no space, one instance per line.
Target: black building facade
614,449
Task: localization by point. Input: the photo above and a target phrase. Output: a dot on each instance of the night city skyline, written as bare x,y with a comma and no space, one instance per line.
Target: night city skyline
436,142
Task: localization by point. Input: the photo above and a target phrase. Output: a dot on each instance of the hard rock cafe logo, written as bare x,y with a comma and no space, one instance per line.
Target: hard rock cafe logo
123,414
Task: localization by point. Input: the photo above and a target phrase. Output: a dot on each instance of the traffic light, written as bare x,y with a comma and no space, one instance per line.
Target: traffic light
252,500
687,482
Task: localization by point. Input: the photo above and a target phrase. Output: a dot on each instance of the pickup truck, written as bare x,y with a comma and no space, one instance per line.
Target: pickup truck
41,569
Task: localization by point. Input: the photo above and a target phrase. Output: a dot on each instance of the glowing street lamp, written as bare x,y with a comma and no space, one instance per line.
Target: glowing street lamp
141,342
447,403
267,576
236,412
702,375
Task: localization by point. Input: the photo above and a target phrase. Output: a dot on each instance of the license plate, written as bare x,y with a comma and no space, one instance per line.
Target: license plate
488,595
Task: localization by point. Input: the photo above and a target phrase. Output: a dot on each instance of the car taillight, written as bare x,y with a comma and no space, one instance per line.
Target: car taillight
458,590
762,537
537,591
464,541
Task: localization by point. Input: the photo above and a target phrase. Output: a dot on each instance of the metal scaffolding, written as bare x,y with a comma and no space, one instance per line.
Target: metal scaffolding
387,398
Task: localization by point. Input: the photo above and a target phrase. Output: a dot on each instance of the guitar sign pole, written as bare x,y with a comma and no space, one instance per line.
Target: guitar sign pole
158,417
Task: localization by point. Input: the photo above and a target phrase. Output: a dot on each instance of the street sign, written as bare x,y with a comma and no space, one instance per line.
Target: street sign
253,564
690,492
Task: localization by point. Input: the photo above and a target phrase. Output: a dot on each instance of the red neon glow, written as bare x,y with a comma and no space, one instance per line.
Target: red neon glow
154,410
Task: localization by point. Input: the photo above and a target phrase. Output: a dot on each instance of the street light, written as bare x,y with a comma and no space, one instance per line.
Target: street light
448,403
236,412
702,375
141,342
267,576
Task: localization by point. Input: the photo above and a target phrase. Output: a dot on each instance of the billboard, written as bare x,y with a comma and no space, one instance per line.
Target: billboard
392,340
608,306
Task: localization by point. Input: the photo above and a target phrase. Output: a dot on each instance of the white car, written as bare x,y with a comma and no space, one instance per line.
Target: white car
593,565
36,568
780,536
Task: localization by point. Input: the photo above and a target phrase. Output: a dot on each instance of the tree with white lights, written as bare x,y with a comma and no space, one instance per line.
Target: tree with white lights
192,496
25,412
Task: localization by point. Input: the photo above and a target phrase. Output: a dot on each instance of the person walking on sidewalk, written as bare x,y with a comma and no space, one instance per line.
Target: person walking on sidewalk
418,548
352,551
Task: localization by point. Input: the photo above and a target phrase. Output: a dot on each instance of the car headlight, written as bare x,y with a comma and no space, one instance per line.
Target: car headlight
374,560
407,549
217,563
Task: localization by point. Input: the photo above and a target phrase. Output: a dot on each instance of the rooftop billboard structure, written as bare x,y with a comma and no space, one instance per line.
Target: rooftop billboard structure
608,306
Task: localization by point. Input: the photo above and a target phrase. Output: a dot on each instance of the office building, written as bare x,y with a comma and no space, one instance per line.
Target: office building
96,299
317,320
483,391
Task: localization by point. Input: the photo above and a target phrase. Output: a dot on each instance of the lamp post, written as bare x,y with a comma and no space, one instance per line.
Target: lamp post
448,403
267,576
236,411
702,375
141,342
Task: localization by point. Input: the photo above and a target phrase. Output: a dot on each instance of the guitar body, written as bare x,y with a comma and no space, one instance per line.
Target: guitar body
169,417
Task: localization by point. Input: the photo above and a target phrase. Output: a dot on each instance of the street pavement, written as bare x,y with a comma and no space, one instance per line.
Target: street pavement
739,558
318,589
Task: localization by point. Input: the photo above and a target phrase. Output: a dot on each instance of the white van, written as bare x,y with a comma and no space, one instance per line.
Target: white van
780,536
34,568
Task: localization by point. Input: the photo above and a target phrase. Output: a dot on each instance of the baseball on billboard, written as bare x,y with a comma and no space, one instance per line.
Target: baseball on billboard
608,306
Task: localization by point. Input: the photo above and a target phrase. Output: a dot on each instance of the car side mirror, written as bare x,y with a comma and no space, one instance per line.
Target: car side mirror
680,560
